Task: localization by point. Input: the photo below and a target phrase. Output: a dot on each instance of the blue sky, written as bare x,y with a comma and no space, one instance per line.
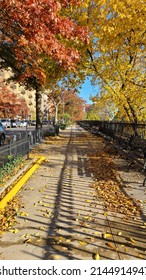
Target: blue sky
87,90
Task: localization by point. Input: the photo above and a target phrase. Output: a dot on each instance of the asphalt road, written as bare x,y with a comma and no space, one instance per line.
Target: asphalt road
12,131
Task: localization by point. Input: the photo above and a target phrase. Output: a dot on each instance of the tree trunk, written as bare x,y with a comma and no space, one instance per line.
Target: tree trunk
132,111
127,113
38,109
133,120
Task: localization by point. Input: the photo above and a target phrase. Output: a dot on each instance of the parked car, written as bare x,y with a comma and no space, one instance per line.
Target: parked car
24,123
2,134
18,123
14,123
33,123
44,122
6,123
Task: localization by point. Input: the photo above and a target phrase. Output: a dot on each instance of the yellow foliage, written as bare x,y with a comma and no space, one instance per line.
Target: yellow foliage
116,53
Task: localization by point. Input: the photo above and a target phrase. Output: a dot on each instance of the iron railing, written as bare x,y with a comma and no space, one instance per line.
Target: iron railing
129,129
20,144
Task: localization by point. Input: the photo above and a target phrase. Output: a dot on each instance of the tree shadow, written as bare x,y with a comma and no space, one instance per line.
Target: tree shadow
79,224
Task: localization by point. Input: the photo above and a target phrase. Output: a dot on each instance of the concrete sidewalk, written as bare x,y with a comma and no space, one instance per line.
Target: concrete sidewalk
61,216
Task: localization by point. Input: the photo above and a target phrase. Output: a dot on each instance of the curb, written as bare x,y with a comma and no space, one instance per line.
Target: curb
20,183
19,174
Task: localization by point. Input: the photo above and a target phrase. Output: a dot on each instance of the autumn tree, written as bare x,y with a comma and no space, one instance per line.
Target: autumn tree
10,104
23,110
35,40
116,53
55,97
96,112
74,106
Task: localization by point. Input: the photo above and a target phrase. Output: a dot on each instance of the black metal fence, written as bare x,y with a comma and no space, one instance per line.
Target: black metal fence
129,129
20,145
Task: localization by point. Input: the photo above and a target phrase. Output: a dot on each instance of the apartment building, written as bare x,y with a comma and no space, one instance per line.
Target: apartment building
28,95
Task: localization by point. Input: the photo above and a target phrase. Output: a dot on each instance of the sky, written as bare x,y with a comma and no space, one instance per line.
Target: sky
87,90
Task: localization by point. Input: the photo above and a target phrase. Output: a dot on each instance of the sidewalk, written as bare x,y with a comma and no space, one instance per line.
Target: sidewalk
62,218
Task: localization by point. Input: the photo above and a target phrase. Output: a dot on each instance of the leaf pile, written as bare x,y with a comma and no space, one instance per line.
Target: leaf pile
8,215
108,187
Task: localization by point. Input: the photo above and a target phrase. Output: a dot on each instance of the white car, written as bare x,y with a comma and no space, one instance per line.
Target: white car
6,123
23,124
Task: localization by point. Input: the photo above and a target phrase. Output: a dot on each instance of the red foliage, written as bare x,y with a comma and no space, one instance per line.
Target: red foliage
10,104
74,105
33,28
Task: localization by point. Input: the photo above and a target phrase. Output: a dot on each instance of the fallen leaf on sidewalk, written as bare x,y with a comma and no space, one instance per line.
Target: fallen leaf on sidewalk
14,230
68,240
42,228
105,213
87,218
46,214
106,235
112,246
131,240
83,243
25,214
25,235
55,257
97,233
140,256
29,240
39,240
95,256
36,234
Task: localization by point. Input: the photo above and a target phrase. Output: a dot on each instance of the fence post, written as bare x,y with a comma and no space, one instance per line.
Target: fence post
10,146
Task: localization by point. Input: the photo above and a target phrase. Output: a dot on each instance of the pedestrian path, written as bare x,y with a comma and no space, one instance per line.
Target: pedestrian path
62,218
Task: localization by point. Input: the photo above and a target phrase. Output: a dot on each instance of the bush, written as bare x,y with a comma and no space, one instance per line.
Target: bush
9,168
62,126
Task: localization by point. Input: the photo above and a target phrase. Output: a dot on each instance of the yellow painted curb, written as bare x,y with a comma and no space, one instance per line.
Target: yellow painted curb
20,183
